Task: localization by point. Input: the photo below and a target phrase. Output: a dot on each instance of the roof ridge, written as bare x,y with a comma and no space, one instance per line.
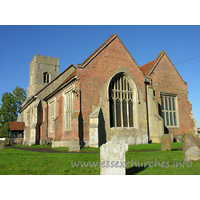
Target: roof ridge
175,69
63,84
74,73
32,97
128,53
157,60
71,65
145,67
98,50
147,63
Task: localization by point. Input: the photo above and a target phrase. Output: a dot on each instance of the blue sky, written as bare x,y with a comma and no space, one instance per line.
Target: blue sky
73,44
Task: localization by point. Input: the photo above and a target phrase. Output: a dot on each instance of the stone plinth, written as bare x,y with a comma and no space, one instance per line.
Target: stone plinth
112,158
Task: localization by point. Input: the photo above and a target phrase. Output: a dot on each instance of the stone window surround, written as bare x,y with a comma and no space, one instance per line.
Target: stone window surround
65,92
51,118
176,97
46,77
135,99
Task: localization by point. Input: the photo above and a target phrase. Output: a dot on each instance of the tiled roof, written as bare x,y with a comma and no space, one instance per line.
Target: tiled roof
145,68
72,75
16,126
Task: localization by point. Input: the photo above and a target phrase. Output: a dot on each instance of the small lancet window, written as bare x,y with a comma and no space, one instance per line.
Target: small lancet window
46,77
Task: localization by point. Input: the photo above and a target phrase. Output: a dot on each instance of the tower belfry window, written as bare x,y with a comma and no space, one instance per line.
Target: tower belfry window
46,77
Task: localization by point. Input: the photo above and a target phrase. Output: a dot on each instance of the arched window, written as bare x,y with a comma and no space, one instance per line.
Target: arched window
46,77
121,102
68,108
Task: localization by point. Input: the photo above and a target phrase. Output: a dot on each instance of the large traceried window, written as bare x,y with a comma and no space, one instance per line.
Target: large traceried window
68,98
121,102
169,110
51,115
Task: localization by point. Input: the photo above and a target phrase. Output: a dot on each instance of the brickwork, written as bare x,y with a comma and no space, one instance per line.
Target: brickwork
59,133
58,125
99,71
26,113
89,85
165,78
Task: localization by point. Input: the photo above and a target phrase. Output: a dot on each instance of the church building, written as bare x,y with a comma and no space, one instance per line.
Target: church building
108,97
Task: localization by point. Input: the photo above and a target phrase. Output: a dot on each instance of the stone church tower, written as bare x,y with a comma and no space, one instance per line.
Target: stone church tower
42,71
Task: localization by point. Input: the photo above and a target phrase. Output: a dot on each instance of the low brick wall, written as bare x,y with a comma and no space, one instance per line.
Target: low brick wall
16,141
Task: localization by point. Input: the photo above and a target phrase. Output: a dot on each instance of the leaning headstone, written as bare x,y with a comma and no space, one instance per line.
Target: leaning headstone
2,143
191,147
112,158
166,142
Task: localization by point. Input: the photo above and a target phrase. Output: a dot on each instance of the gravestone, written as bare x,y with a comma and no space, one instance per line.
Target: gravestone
112,158
145,139
172,136
191,147
114,138
130,140
138,140
75,148
122,140
2,143
166,142
180,139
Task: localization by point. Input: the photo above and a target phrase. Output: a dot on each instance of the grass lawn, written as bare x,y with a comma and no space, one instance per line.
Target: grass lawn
16,162
152,146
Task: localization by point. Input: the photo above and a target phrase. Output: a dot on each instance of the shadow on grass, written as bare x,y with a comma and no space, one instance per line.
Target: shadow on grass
176,149
134,170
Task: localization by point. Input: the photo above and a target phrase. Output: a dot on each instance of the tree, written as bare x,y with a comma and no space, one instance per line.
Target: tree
20,96
9,108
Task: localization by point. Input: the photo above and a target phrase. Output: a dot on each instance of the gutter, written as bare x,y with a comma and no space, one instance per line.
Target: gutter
31,100
147,108
47,121
33,97
59,88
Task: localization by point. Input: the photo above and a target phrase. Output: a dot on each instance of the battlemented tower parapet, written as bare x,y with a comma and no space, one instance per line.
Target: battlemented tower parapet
44,59
43,70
